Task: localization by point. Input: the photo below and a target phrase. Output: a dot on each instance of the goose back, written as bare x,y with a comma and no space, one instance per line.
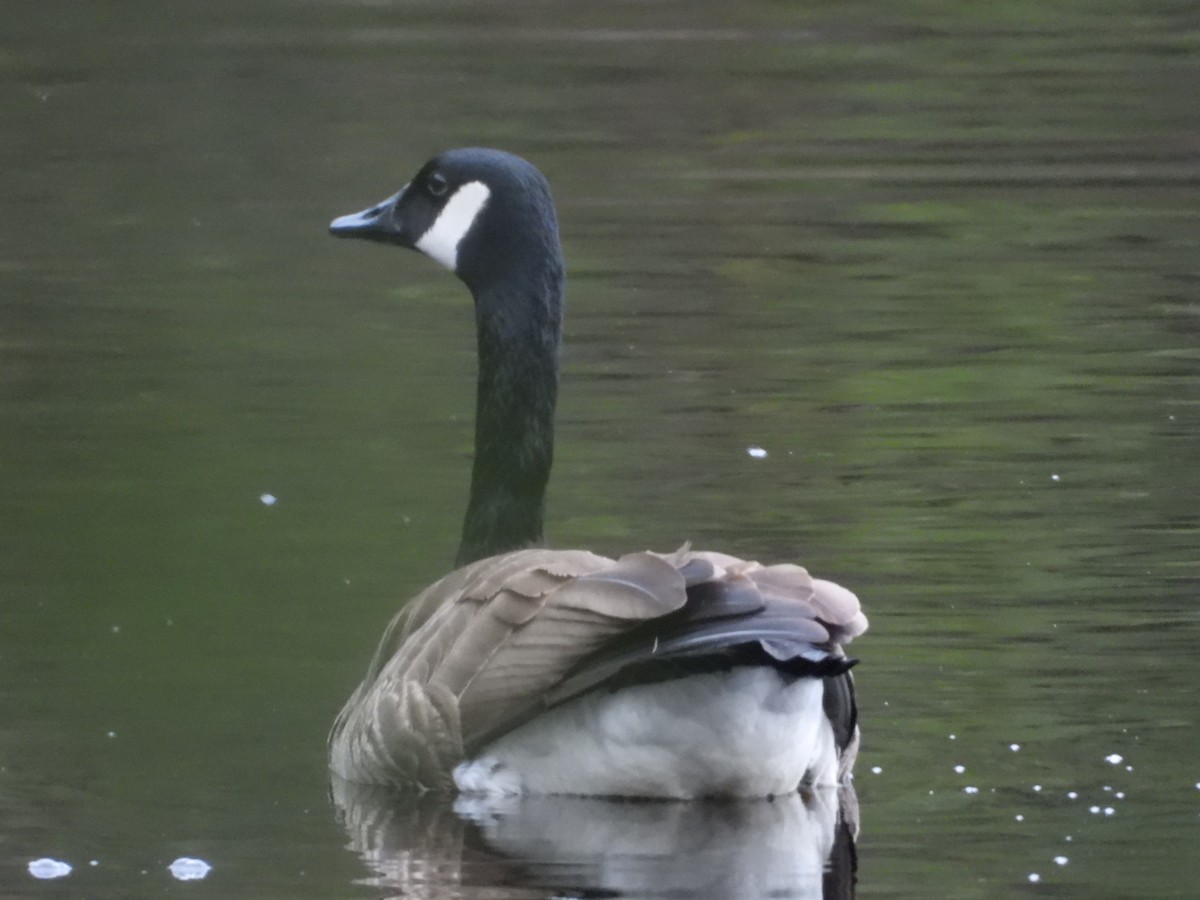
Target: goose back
494,643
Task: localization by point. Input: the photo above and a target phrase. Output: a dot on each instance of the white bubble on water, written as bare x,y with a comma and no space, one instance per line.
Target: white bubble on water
187,868
1061,860
1114,758
757,452
46,868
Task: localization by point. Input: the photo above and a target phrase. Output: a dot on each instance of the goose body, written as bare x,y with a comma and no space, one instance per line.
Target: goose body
529,670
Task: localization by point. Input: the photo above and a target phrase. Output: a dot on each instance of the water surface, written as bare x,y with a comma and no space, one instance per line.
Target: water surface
940,263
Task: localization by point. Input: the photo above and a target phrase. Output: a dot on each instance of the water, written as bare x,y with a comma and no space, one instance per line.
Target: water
940,264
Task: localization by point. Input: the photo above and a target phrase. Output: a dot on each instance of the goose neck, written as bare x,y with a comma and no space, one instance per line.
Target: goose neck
519,335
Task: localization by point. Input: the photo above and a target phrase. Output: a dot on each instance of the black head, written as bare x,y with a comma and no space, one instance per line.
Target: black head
481,213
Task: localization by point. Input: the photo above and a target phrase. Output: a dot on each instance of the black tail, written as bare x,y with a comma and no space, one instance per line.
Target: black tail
723,624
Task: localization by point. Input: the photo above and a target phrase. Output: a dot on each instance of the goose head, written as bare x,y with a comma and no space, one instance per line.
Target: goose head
484,214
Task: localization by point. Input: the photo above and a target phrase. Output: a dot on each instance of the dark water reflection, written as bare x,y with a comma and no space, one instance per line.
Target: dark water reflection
580,847
940,263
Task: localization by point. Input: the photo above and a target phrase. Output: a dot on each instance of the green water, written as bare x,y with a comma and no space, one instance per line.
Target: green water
939,260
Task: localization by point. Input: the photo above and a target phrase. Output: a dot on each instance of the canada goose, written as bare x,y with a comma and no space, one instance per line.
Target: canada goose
559,671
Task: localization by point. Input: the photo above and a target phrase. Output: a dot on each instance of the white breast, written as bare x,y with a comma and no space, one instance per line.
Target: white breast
749,732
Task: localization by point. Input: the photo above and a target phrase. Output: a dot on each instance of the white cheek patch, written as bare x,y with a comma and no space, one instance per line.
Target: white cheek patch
441,241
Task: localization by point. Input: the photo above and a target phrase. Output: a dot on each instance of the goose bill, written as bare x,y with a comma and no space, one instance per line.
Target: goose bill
376,223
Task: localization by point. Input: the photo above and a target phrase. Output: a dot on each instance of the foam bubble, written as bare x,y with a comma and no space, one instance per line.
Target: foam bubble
187,868
46,868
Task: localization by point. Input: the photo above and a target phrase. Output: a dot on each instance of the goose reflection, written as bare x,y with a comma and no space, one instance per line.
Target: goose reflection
800,845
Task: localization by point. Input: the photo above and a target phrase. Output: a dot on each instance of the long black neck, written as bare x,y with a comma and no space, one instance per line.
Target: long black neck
519,327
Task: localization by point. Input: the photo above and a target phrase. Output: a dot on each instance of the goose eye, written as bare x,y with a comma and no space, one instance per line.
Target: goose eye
437,184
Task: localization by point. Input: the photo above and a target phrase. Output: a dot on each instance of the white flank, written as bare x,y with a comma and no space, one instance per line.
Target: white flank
441,241
745,733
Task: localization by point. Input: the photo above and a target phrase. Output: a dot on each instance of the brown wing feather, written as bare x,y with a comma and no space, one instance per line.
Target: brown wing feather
483,648
478,647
